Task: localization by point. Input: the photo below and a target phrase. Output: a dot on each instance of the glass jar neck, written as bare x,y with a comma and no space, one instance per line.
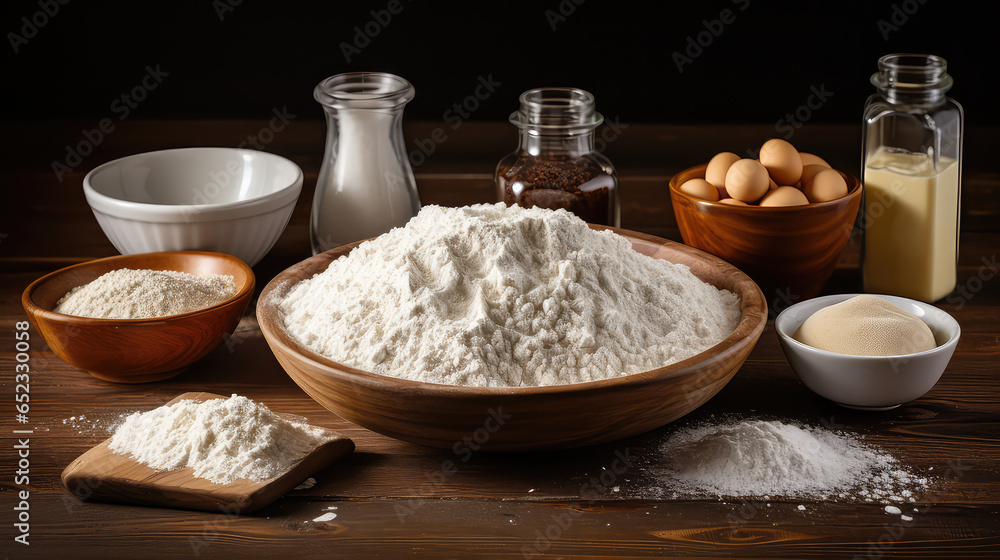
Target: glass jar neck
914,79
557,120
364,90
574,145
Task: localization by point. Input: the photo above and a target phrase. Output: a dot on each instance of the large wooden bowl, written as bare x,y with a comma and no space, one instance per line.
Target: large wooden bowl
790,252
137,350
528,418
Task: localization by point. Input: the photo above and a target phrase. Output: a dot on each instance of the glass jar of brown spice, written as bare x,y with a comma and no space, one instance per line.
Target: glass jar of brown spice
555,164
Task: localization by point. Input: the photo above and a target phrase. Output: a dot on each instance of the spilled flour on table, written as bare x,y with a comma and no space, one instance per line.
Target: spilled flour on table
753,458
328,516
100,423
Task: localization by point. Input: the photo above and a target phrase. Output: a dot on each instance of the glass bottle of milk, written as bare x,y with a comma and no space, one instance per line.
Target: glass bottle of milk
912,162
365,185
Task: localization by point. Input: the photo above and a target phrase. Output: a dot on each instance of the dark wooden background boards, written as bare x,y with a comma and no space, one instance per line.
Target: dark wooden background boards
397,500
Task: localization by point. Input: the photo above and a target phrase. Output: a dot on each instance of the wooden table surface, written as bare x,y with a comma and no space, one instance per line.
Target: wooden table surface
392,499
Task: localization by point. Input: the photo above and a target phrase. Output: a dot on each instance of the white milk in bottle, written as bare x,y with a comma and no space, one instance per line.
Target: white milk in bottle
911,213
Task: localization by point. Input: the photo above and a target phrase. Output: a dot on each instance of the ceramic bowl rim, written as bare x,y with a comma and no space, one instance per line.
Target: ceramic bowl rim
127,209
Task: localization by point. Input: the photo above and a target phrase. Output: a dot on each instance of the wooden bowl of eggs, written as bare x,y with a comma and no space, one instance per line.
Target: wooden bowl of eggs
783,219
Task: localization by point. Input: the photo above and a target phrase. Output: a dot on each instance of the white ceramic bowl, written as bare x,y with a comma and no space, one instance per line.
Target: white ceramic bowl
868,382
226,200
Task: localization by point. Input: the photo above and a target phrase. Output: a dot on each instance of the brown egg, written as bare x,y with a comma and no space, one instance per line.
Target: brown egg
825,186
808,172
746,180
733,202
782,161
700,188
785,196
810,159
715,173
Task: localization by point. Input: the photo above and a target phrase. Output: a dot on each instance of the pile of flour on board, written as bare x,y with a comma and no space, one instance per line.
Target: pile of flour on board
497,296
221,439
142,294
747,458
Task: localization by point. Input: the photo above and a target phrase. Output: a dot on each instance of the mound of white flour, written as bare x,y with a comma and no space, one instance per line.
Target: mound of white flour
744,458
493,296
142,294
221,439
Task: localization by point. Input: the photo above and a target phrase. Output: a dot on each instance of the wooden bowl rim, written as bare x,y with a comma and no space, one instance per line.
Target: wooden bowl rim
753,319
854,192
244,291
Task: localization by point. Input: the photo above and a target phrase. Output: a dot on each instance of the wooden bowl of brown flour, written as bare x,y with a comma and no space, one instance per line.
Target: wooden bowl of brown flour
511,418
138,350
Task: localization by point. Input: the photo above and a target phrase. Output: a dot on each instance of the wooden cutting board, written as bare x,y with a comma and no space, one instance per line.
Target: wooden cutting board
102,475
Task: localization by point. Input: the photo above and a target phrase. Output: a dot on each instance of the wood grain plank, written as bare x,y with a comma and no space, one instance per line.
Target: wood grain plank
497,506
518,529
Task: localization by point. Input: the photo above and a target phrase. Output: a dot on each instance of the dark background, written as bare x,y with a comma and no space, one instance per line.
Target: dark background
243,61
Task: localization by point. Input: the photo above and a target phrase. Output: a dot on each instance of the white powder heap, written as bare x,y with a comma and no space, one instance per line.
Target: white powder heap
141,294
221,439
493,296
774,458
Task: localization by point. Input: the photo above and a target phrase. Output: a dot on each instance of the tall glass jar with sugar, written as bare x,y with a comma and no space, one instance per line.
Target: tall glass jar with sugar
365,185
912,169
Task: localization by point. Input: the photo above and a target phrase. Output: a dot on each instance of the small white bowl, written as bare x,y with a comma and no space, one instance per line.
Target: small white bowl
226,200
868,382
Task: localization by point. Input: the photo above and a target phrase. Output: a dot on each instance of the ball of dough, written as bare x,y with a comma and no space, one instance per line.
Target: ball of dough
866,325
